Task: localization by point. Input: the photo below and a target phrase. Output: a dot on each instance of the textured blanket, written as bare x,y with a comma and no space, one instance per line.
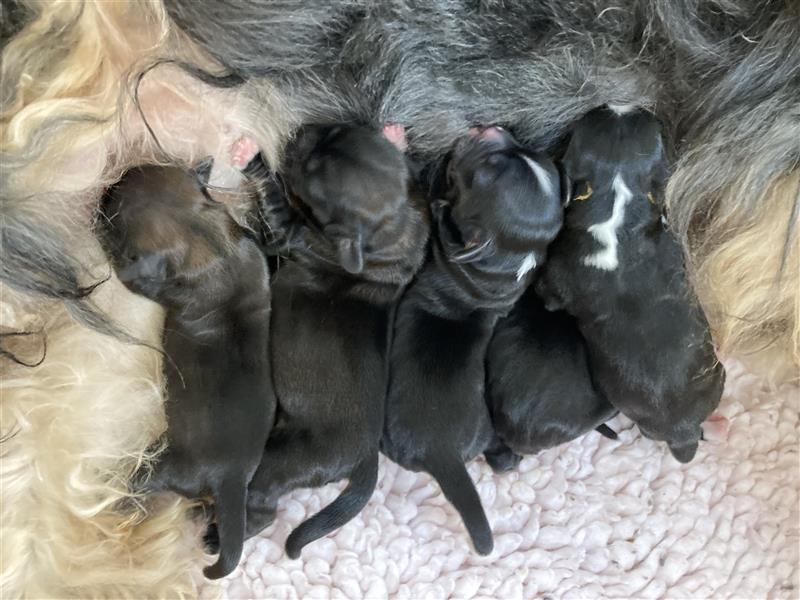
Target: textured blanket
594,518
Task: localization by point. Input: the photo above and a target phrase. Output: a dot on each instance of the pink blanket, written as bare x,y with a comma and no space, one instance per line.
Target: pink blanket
594,518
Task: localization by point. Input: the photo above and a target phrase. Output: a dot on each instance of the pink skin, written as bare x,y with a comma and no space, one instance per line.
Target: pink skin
490,134
715,428
242,151
396,134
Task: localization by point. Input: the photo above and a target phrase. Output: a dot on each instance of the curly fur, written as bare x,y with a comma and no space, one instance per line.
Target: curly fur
76,426
69,525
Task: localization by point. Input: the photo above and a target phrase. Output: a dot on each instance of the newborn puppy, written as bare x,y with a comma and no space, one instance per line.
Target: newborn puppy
540,391
500,210
620,273
170,242
357,240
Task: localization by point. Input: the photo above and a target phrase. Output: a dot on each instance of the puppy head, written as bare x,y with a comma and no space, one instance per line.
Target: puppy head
499,199
163,234
348,182
605,146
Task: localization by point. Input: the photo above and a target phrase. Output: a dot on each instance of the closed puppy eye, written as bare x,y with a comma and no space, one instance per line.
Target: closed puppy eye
312,164
495,159
485,176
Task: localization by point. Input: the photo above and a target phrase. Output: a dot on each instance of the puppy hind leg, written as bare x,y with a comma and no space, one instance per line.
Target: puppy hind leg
288,463
500,457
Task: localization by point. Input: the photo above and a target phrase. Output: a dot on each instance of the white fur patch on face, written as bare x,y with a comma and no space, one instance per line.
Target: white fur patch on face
541,174
527,264
622,109
606,232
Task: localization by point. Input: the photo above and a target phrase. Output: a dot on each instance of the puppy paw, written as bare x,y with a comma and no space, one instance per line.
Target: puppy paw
715,428
396,134
242,152
503,461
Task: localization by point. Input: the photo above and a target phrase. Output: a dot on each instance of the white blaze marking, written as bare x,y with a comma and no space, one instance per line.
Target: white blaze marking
606,232
527,264
541,174
622,109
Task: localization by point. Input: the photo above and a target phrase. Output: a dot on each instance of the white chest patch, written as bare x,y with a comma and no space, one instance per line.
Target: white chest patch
541,174
606,232
527,264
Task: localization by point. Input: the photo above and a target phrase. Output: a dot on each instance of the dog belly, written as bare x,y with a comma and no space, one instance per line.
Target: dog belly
436,398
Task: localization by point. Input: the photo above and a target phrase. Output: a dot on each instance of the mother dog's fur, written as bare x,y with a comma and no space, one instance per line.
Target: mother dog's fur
721,73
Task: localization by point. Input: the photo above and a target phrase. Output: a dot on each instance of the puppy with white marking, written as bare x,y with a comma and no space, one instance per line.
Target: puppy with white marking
539,388
356,240
620,273
170,242
499,209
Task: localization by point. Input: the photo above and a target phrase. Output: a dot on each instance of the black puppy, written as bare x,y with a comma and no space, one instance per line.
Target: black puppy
539,388
170,242
620,273
500,211
358,240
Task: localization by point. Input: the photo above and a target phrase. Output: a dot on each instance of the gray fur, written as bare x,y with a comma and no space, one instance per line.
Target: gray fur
722,75
35,262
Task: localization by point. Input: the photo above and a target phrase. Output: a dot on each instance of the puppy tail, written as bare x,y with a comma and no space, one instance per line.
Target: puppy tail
340,511
230,511
453,478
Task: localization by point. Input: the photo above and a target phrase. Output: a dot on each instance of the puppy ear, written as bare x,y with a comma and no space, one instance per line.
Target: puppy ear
350,255
460,246
146,266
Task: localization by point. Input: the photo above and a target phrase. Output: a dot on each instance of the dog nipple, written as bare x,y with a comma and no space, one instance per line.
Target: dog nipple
242,151
493,133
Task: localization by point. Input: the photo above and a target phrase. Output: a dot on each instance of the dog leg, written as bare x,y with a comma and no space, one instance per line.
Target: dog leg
288,463
500,457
